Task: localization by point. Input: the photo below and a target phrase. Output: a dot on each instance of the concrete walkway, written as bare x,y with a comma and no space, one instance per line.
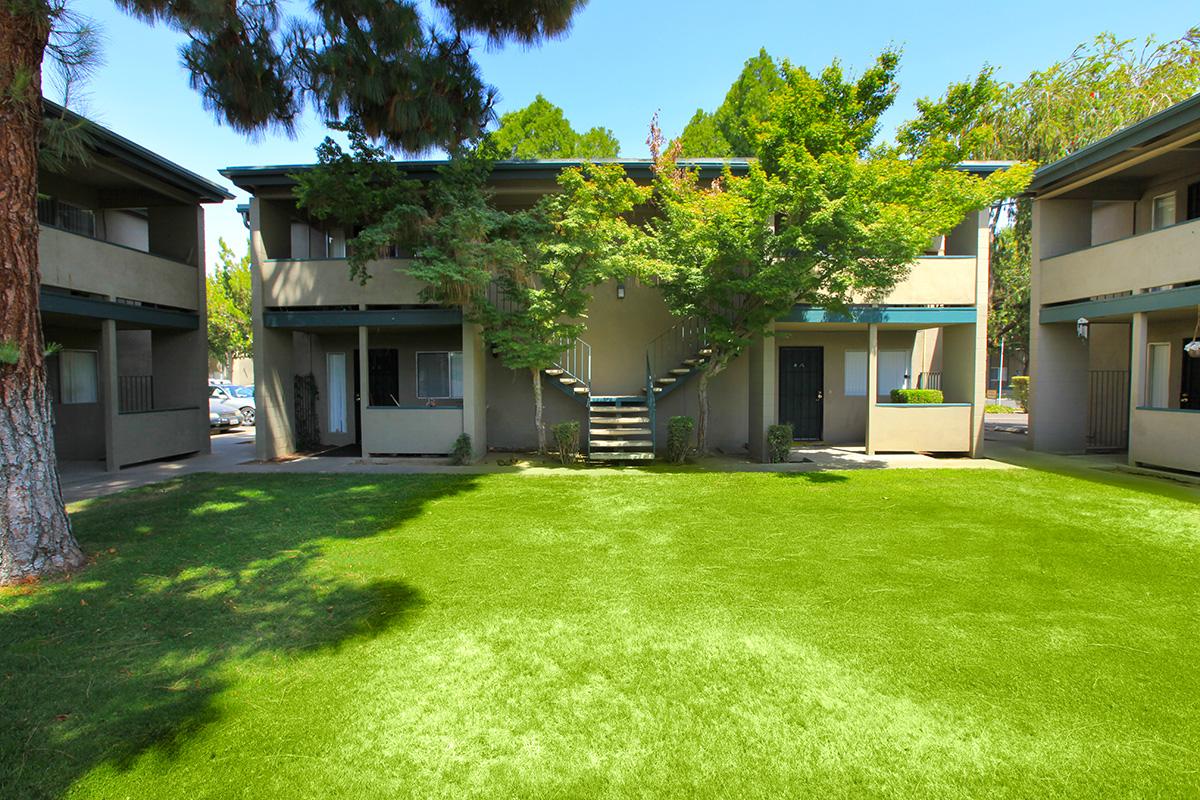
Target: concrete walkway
1005,448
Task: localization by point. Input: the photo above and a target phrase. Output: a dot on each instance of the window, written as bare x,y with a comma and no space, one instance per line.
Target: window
1163,214
383,372
77,377
893,370
440,375
335,369
1193,201
856,373
1158,378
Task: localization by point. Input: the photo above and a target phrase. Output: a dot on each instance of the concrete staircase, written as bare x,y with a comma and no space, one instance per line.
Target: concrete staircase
620,429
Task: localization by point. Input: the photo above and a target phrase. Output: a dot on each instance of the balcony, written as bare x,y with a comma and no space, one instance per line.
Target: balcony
1165,437
83,264
926,428
1158,258
936,280
411,430
326,282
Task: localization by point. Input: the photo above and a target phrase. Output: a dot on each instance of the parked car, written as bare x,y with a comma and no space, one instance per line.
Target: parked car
222,415
241,397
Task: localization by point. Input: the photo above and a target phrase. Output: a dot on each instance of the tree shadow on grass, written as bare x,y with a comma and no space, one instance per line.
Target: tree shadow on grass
815,476
188,578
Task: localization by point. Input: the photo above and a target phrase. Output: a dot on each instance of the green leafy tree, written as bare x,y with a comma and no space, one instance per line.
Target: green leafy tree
849,217
1103,86
540,130
230,330
404,68
731,129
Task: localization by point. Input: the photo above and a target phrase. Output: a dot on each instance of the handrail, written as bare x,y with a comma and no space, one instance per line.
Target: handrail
651,403
669,349
576,360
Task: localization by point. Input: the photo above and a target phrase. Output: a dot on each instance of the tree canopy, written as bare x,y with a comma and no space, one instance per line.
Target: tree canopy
730,130
541,130
230,329
849,215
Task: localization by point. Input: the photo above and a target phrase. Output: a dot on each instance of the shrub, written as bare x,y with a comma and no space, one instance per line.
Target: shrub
566,438
1020,387
679,438
461,453
779,443
917,396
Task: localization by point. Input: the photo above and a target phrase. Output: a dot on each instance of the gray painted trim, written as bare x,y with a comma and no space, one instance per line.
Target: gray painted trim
96,308
1153,127
1119,306
946,315
374,318
1171,410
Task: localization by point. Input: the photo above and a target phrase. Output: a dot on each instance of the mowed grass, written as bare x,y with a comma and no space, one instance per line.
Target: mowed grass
876,633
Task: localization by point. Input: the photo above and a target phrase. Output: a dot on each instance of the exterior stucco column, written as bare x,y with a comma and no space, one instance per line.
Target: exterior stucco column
764,394
364,385
1139,342
475,388
274,383
872,382
110,394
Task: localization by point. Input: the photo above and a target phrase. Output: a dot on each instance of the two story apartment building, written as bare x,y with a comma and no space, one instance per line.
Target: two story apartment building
377,370
1115,295
122,299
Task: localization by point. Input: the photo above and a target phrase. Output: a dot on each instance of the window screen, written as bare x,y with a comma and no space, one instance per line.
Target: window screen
383,371
856,373
439,375
77,376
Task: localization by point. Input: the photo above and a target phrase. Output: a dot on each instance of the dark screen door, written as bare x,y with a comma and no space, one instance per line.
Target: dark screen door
801,390
1189,386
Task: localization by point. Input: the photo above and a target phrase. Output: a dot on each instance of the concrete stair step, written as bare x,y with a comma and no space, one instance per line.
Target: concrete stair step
622,443
617,420
665,381
554,372
580,390
620,431
567,380
681,371
617,456
596,409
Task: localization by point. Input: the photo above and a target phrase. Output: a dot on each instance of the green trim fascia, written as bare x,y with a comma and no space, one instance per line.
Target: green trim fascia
96,308
1171,410
135,155
1153,127
946,315
373,318
414,408
924,405
1119,306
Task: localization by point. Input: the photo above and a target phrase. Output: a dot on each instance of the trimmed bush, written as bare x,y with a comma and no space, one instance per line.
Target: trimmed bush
779,443
566,439
679,438
461,453
1020,387
917,396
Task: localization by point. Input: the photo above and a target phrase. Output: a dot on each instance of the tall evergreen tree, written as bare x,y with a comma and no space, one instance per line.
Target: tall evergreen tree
730,131
405,68
541,130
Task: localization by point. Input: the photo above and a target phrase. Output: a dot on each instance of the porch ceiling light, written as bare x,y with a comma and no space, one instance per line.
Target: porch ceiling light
621,291
1081,328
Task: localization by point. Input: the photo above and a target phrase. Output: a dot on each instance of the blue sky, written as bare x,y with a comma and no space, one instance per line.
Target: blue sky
623,60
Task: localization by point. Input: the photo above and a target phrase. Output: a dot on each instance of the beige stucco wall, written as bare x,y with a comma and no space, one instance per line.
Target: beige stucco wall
159,434
1163,438
1108,346
326,282
930,429
88,265
420,431
945,280
1158,258
1111,221
1174,183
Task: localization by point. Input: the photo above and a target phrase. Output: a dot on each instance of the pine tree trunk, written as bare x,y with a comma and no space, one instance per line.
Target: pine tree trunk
35,535
537,409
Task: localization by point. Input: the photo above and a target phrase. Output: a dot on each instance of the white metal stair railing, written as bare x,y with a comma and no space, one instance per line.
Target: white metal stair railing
572,369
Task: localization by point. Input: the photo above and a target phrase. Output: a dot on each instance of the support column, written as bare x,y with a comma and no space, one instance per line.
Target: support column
764,394
1139,341
110,393
274,367
198,339
475,388
872,382
364,385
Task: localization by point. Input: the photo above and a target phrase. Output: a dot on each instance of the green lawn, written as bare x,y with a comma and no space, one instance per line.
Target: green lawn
877,633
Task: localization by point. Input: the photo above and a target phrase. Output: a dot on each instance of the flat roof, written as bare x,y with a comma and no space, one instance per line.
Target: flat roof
1151,128
129,152
249,177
